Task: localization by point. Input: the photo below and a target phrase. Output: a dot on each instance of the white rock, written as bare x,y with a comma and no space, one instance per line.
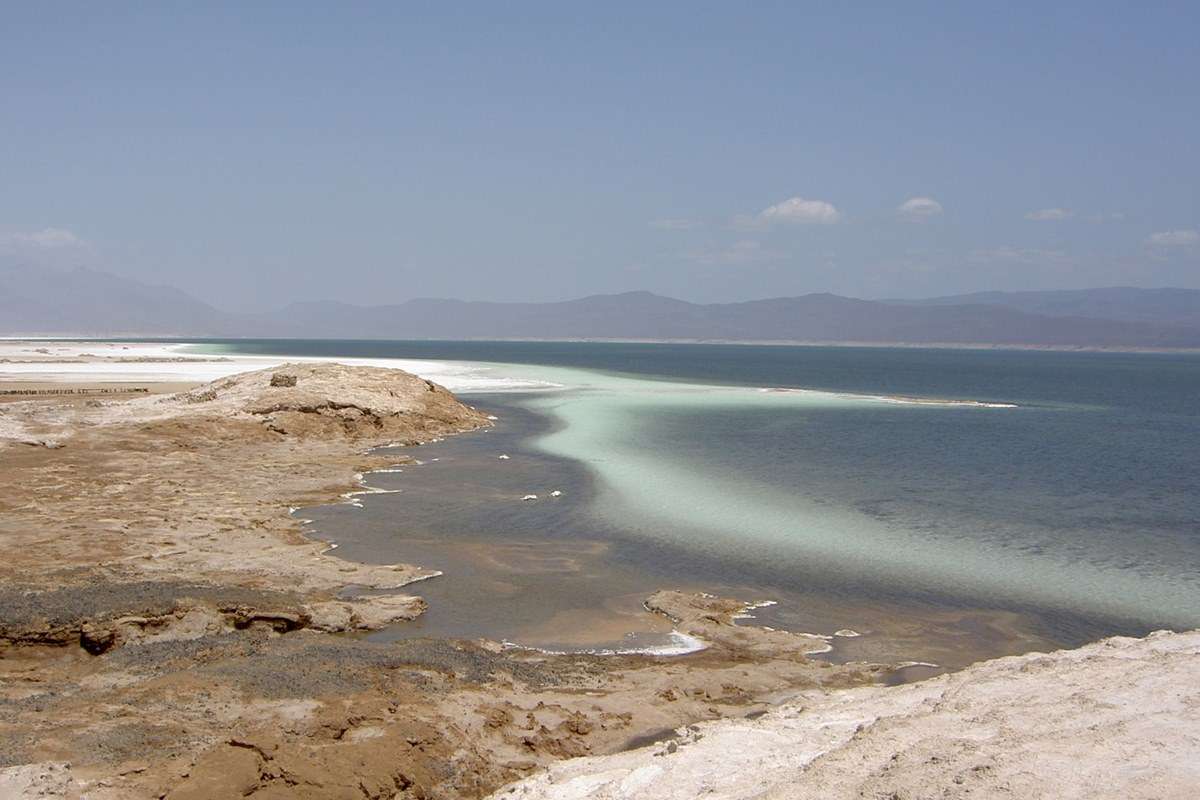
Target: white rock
1113,719
43,779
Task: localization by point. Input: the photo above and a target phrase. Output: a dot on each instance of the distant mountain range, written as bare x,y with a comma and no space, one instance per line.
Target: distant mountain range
88,303
1122,303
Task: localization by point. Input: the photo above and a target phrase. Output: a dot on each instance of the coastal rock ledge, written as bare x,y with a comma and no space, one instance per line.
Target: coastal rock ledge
1118,718
323,399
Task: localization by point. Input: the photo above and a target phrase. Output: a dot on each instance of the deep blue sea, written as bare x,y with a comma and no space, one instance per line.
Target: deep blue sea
993,500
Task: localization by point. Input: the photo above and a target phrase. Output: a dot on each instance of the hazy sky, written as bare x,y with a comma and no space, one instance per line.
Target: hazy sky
255,154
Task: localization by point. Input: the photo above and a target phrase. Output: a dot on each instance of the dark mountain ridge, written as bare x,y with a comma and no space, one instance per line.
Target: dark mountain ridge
84,302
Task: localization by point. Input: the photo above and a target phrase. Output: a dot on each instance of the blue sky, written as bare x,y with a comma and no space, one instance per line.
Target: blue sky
372,153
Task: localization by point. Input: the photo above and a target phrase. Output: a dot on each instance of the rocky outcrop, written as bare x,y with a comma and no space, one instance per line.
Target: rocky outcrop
195,486
1117,718
99,618
714,620
323,399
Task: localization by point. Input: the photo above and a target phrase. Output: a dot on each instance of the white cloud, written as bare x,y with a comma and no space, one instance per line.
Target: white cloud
675,224
798,211
47,238
1181,238
1050,214
919,208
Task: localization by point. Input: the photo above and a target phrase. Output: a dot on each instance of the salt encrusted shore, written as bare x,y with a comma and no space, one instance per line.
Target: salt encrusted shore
55,363
1116,719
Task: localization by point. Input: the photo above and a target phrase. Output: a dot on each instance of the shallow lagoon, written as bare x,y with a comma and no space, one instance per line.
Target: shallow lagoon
1069,516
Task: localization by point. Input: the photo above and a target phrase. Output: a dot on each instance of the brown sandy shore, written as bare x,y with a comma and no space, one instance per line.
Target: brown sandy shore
167,631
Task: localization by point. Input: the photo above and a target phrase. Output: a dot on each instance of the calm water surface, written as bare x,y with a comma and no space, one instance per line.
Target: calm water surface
942,531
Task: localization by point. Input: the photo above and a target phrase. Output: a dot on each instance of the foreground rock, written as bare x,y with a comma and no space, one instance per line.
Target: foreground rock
270,712
1116,719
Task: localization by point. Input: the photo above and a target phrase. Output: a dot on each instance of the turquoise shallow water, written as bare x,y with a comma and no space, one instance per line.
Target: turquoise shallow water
1079,507
727,472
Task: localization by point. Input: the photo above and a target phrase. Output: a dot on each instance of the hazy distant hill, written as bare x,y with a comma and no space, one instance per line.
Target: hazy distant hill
84,302
641,315
1125,303
34,300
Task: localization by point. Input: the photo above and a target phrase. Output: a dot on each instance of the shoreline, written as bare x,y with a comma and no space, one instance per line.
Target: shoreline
683,643
567,573
355,495
161,600
172,359
168,629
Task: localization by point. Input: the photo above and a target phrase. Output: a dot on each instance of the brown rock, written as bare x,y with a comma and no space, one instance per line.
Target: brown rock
223,772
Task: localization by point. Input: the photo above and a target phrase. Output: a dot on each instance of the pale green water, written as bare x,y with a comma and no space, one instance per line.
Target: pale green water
1079,508
723,506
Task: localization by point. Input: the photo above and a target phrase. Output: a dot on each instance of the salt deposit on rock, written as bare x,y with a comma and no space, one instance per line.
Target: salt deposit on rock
1118,718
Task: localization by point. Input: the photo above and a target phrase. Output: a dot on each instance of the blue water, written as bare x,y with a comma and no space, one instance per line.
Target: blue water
1079,508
